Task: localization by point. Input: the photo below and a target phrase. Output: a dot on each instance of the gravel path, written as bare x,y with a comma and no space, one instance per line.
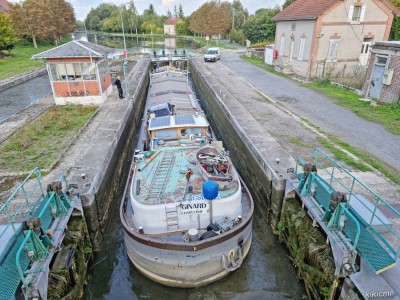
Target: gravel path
319,110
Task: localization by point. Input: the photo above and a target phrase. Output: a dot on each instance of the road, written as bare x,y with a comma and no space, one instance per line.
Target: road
319,110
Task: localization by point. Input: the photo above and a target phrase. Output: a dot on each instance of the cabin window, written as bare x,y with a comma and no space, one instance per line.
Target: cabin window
195,131
166,134
72,71
183,132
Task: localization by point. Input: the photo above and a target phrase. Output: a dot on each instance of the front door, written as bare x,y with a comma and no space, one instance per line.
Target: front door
376,81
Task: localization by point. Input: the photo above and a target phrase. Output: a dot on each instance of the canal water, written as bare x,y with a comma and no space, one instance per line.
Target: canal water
13,99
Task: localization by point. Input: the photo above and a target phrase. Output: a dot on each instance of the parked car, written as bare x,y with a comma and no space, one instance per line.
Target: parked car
212,54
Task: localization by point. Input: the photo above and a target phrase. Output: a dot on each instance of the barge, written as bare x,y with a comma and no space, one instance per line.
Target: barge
186,213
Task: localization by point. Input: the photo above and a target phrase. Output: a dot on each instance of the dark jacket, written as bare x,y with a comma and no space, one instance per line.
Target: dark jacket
118,83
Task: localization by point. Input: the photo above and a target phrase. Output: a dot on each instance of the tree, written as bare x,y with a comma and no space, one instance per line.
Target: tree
175,12
62,19
287,3
260,27
181,28
395,30
169,14
96,16
181,15
7,36
30,19
212,18
133,16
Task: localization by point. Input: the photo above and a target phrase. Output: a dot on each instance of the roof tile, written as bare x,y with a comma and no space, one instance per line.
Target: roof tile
304,9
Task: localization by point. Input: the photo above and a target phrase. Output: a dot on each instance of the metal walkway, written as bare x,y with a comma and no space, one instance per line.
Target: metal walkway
351,210
26,245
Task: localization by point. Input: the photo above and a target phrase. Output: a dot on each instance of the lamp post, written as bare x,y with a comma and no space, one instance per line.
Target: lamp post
125,64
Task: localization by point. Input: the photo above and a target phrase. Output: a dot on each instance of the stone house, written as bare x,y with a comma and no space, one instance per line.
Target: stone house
324,38
4,6
78,72
169,26
383,74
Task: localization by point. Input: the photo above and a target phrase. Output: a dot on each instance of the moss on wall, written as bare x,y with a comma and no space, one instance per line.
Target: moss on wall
308,250
68,275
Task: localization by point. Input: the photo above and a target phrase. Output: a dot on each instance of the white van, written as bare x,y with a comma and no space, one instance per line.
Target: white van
212,54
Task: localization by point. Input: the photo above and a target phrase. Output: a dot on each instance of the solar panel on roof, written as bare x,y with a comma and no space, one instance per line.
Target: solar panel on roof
186,119
159,122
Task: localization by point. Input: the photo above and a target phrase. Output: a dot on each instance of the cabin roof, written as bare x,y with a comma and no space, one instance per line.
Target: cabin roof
172,21
75,49
177,121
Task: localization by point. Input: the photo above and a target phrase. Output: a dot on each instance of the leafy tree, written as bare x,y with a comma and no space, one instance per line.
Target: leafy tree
181,15
96,16
287,3
238,14
62,19
175,12
30,19
212,18
181,28
169,14
236,36
133,16
260,27
395,30
7,36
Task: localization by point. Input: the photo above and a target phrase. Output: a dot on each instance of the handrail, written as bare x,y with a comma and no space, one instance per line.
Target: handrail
349,214
354,189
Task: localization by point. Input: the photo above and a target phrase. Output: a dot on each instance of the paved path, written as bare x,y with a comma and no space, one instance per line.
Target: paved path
319,110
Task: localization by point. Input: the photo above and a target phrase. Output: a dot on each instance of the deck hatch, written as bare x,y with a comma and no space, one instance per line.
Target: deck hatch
159,122
184,119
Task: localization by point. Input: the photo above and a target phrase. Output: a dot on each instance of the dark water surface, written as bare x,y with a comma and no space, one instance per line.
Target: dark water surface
14,99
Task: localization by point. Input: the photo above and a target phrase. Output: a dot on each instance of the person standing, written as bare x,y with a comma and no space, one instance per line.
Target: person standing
119,87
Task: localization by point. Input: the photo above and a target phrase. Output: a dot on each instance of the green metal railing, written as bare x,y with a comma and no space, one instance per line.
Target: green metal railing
32,243
320,185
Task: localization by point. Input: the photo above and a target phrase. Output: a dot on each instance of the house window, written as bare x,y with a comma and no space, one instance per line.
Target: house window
282,45
381,60
365,45
356,13
332,51
293,26
301,49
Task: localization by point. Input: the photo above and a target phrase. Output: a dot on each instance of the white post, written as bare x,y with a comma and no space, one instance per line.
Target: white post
124,67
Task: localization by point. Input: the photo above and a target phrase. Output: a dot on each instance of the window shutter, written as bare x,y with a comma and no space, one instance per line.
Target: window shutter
350,16
282,46
362,13
301,50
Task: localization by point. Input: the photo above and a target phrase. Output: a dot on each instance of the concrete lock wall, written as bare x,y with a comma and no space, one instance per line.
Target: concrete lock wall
101,197
267,187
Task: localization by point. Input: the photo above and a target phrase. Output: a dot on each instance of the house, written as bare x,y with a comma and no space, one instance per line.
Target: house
383,74
78,72
4,6
169,26
324,38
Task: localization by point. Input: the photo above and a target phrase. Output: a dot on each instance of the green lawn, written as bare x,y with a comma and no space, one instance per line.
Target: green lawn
40,143
386,114
21,61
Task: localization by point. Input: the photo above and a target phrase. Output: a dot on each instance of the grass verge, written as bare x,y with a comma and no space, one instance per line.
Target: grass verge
41,142
21,60
212,43
365,159
386,114
259,62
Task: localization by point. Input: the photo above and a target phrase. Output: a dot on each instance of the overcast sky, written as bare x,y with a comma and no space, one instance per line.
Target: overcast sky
82,7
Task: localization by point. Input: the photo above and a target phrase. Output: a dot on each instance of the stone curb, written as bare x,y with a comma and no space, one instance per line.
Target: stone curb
15,80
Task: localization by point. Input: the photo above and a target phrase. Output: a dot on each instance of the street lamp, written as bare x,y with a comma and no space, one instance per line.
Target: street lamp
124,67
